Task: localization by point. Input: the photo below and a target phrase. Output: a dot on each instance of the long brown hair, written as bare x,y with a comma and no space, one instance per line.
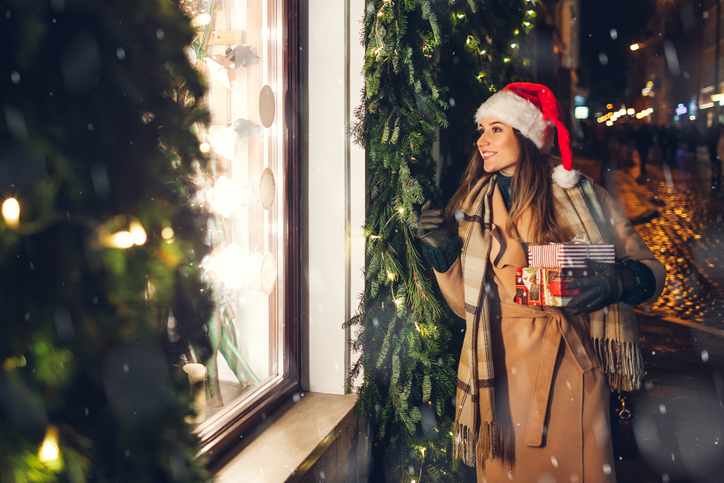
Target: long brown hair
531,188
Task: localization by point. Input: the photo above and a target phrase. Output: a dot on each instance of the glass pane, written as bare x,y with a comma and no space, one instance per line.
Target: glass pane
240,54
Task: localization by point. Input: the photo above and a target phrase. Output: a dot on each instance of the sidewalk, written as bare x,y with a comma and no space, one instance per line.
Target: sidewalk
638,201
679,413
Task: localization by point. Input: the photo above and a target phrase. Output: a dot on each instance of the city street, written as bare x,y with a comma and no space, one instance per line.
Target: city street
679,414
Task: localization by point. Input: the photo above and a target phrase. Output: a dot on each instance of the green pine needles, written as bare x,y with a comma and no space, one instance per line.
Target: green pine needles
97,146
407,339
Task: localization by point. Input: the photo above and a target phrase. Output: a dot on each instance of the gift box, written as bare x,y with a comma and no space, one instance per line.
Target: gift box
569,255
547,286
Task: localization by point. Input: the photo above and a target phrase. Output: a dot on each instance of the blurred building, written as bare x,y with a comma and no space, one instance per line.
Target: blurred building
710,87
558,51
666,66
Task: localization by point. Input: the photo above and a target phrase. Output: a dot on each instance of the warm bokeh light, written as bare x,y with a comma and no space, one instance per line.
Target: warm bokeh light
122,239
635,47
11,211
630,111
139,234
167,233
205,147
49,450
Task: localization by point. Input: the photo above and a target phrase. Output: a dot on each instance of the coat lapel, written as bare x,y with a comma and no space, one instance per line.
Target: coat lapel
504,250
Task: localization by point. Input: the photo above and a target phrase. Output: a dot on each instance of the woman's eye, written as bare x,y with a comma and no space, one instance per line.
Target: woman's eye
497,129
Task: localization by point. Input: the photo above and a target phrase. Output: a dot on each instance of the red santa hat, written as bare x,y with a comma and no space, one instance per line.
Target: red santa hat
533,110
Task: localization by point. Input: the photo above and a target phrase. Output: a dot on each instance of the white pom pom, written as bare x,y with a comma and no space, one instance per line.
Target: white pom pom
564,178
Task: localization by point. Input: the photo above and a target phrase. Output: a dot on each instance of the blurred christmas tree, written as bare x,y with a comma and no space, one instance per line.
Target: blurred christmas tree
100,241
409,345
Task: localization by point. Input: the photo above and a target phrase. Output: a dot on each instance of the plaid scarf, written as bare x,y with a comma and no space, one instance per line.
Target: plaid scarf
613,331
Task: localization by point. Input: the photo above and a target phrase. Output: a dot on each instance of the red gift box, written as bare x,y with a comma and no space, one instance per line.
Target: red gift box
569,255
547,286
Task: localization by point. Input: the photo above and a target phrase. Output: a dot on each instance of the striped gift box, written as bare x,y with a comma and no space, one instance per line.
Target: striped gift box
562,255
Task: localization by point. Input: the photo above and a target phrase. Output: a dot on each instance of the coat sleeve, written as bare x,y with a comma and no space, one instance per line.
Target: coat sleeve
452,287
628,245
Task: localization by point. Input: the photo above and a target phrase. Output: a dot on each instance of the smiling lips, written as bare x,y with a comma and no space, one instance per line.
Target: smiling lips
487,154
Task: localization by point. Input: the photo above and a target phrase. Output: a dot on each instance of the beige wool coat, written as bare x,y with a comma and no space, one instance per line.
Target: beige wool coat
576,444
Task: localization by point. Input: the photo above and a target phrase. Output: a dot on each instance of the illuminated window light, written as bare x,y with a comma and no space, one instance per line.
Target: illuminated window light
201,20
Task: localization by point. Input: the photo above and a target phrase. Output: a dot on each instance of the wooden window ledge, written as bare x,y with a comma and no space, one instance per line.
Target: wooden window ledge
288,443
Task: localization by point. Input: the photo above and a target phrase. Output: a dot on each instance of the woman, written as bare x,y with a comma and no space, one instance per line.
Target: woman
534,382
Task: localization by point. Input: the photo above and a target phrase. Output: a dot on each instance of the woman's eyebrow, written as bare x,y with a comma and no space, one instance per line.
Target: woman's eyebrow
491,124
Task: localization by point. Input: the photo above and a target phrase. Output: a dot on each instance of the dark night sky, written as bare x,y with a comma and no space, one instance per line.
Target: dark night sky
629,18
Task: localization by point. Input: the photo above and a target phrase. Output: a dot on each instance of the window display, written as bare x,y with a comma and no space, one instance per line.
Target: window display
239,49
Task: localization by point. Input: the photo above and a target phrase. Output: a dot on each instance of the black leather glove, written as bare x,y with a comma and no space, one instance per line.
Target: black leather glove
431,228
613,282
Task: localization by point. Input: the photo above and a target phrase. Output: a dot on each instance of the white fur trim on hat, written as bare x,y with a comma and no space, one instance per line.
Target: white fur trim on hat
521,114
564,178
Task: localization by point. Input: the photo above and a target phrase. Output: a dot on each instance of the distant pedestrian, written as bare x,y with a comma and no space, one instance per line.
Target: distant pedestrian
662,136
692,138
716,163
674,136
644,138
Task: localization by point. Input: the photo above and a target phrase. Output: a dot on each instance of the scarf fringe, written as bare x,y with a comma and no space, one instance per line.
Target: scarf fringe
464,444
622,362
472,448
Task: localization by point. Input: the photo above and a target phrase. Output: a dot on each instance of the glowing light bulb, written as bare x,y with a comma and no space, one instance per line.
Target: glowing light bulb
49,450
138,233
11,212
122,239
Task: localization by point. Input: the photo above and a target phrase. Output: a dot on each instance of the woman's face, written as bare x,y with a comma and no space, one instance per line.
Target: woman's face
498,146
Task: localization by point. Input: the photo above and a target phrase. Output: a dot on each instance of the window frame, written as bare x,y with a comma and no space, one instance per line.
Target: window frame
219,437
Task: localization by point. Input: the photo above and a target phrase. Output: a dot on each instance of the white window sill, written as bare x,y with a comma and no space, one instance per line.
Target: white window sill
287,440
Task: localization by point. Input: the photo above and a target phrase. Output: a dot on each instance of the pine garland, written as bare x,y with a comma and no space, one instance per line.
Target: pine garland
408,350
100,102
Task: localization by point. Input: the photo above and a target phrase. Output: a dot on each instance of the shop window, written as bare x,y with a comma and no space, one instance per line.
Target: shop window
246,49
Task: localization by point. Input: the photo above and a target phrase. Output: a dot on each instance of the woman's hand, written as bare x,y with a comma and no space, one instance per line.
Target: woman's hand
613,282
431,228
